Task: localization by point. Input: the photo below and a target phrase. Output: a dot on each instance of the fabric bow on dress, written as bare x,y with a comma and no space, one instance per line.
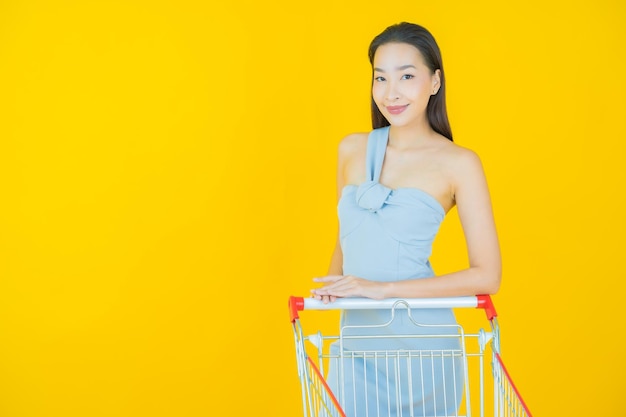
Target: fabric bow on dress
371,195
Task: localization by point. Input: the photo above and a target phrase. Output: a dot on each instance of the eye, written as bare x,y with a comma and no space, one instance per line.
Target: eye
407,76
379,79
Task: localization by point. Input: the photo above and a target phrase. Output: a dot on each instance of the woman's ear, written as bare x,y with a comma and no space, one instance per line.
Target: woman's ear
436,82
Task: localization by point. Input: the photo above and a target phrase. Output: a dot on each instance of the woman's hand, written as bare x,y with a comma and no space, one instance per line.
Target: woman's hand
347,286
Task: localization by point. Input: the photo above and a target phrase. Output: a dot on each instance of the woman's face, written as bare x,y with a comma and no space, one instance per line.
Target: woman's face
402,83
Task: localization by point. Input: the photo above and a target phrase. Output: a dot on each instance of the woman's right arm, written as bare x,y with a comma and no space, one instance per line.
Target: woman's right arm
346,147
336,260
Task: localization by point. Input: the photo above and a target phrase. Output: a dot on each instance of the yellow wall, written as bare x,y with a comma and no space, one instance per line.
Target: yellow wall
167,180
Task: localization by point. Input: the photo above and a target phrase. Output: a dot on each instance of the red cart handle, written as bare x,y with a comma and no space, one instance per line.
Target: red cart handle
485,302
480,301
295,304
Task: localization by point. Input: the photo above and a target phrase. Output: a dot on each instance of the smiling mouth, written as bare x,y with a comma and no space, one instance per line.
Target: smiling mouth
396,109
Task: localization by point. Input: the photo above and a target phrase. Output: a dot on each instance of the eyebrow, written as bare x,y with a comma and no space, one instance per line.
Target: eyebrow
400,68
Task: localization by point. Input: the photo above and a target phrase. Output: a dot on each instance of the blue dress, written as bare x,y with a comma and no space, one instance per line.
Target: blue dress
387,235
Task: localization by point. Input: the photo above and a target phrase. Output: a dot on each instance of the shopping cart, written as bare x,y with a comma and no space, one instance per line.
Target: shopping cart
405,373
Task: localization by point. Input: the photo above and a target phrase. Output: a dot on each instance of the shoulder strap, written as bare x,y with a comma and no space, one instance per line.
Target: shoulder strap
376,147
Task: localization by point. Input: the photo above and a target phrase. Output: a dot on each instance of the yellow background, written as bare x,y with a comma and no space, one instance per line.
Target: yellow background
167,180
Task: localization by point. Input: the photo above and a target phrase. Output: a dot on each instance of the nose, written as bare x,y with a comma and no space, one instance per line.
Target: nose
391,93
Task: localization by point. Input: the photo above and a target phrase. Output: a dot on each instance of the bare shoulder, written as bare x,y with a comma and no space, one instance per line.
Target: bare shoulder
461,161
354,143
352,151
465,172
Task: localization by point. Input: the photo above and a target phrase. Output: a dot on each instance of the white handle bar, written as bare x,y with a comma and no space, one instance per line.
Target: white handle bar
387,303
480,301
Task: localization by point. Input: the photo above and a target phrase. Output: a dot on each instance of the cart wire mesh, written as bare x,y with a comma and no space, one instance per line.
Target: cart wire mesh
404,373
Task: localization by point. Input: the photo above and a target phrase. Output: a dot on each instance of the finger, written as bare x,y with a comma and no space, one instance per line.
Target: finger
318,293
328,288
328,278
325,296
337,284
342,290
331,295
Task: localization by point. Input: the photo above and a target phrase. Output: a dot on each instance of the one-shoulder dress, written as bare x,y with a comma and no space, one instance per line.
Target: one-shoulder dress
387,235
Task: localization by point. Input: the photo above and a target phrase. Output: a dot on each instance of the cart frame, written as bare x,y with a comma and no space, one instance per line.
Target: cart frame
320,401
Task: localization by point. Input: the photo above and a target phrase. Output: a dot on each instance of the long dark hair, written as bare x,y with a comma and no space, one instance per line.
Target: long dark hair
421,39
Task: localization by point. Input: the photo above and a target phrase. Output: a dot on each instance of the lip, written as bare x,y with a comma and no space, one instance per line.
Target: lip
396,109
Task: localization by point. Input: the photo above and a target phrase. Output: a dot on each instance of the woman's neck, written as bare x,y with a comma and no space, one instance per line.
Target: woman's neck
410,135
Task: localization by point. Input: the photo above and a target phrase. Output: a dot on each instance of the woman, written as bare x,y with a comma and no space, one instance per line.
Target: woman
395,186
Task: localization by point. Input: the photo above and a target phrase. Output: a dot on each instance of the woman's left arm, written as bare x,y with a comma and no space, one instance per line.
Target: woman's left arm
471,194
